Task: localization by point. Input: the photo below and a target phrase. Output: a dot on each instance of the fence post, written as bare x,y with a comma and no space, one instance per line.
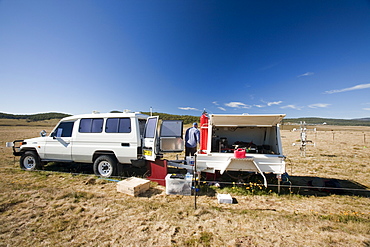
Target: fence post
333,134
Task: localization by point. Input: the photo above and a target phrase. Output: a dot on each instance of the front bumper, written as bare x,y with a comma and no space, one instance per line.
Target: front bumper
17,147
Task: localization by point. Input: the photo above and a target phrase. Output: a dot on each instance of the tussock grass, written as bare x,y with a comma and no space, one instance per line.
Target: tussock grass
56,209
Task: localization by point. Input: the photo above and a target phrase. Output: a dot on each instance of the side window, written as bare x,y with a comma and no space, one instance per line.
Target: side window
150,128
91,125
118,125
85,125
111,125
97,125
124,125
64,129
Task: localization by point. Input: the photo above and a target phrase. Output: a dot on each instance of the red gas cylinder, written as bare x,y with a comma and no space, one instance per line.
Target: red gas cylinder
203,132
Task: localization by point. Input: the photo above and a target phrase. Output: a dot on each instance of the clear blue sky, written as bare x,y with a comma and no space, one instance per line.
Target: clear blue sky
303,58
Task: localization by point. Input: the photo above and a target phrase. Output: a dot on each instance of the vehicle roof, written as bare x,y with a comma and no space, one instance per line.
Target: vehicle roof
246,120
107,115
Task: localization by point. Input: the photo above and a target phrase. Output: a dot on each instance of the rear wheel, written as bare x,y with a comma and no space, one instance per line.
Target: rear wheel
30,161
105,166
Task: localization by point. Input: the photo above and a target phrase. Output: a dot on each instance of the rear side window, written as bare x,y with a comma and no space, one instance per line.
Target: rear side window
151,127
91,125
118,125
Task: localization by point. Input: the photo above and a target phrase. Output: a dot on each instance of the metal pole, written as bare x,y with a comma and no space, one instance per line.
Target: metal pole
195,181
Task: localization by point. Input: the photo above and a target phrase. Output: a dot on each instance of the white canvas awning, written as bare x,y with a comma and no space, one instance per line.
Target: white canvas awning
245,120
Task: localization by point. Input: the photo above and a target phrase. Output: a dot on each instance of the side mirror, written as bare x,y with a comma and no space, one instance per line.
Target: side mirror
43,133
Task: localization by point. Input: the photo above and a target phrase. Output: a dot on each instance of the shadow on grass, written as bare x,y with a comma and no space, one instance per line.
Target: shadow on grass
87,169
302,185
151,192
79,168
318,186
83,168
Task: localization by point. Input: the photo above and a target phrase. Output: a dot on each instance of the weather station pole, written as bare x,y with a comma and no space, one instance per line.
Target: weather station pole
195,181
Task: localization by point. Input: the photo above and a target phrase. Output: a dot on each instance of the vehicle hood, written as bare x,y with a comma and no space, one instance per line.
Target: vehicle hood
35,140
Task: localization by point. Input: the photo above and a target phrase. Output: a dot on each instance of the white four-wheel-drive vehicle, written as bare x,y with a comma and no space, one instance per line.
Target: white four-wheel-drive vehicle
106,140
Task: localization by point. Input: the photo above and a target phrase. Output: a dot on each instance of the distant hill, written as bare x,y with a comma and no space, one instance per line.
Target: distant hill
53,115
187,119
34,117
362,119
329,121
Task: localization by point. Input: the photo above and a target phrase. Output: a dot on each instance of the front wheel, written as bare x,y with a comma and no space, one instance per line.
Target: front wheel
30,161
105,166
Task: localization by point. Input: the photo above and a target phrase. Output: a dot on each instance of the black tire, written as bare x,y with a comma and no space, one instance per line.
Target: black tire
30,161
106,166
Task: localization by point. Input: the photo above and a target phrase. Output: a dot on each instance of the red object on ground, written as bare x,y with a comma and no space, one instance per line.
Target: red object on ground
213,176
239,153
158,171
203,133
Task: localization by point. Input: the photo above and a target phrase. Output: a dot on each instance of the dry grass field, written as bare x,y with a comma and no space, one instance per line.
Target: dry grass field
49,208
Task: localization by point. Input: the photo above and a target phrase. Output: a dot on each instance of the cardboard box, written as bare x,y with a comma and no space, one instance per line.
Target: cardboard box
224,198
133,186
